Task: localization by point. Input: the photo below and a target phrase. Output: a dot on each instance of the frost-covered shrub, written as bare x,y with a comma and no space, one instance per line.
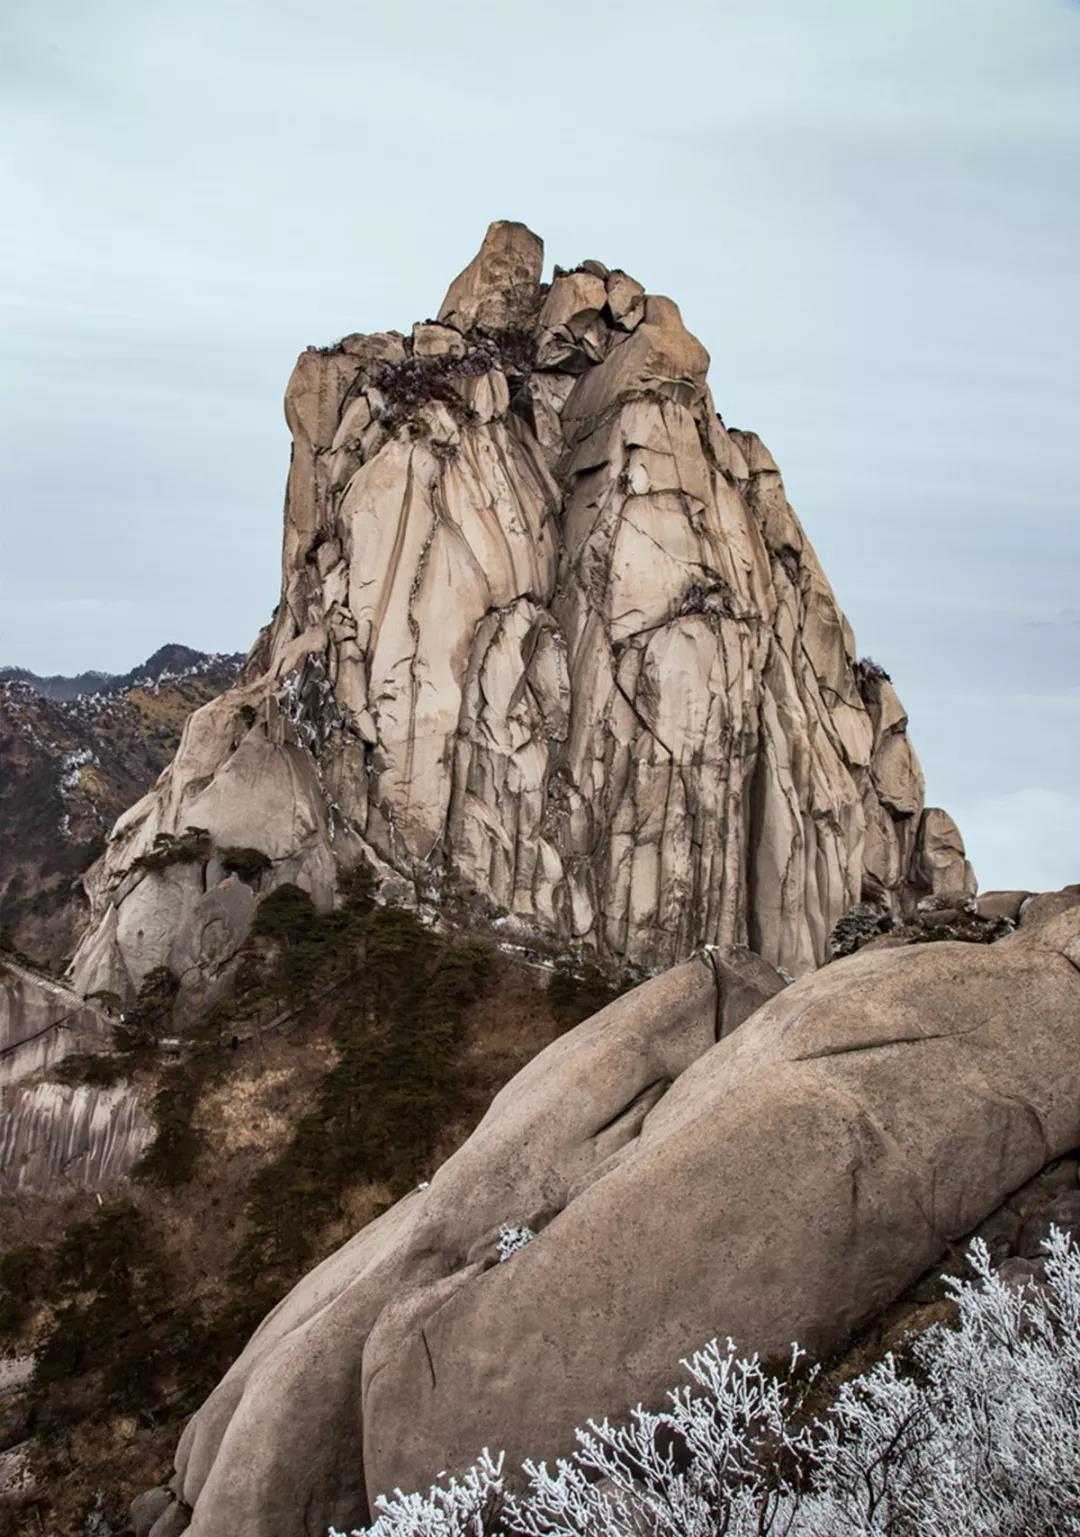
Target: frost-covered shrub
71,767
513,1237
467,1507
978,1433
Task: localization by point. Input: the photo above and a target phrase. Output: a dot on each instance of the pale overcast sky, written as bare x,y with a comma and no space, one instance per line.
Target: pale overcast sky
869,210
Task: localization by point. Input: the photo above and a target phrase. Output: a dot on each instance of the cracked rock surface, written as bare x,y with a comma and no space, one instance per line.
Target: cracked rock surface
687,1172
551,643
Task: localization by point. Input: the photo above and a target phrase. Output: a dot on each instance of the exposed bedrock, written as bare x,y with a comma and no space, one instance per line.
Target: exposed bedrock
551,643
782,1180
41,1022
52,1135
56,1137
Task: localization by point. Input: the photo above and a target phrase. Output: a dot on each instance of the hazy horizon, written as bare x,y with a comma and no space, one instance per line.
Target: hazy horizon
870,218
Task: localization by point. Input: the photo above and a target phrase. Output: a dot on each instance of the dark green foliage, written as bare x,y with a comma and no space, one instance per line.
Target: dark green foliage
9,948
412,382
247,863
286,915
863,921
95,1070
576,992
398,1034
192,846
317,952
869,677
393,993
138,1033
101,1276
170,1158
516,350
23,1271
967,930
714,596
115,1322
356,888
106,999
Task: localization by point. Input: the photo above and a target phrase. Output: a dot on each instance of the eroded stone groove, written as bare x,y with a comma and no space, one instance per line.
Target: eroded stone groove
551,644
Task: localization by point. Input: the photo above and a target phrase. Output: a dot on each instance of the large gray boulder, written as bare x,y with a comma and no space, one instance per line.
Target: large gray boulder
782,1181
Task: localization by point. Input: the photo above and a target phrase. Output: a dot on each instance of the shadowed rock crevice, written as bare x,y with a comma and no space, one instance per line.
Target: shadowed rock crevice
626,1123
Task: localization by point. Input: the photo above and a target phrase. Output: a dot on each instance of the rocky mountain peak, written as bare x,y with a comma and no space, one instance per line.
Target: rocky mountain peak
551,647
501,285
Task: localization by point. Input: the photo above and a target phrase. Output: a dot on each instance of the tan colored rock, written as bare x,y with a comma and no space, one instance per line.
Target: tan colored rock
660,355
486,395
573,303
171,1522
743,983
939,862
549,636
549,1132
625,299
570,335
787,1181
500,286
433,341
1037,911
1000,904
147,1508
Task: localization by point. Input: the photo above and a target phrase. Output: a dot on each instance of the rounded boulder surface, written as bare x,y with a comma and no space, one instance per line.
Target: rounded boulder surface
1000,904
146,1509
784,1182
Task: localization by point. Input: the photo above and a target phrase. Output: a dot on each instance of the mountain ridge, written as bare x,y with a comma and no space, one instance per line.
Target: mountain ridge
72,758
167,663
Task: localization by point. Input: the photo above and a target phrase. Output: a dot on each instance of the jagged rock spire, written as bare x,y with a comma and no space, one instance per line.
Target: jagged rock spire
501,285
551,645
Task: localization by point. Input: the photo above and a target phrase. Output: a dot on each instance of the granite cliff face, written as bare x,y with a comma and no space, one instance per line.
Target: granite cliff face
551,644
58,1137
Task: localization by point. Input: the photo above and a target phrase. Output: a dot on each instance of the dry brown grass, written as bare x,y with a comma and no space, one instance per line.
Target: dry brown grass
112,1453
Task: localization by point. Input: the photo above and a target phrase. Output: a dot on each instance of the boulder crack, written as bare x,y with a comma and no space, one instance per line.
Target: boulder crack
896,1040
658,1088
430,1361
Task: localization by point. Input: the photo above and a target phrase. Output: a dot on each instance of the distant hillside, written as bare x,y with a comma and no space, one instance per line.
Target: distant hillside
75,753
168,663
